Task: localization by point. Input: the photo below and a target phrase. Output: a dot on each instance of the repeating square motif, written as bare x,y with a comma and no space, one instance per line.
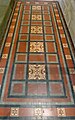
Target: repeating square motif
14,112
58,21
36,7
36,29
4,56
13,20
12,26
61,112
2,70
72,71
10,34
68,57
62,35
36,47
7,45
38,112
36,72
57,15
65,45
74,88
60,27
36,17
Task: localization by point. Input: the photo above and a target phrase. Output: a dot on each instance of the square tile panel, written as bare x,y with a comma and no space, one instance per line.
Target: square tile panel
36,72
48,30
56,89
22,47
19,72
26,17
61,112
24,29
54,72
36,7
47,23
49,38
50,47
36,47
36,17
46,17
52,58
36,88
17,89
21,58
36,29
36,58
23,37
14,112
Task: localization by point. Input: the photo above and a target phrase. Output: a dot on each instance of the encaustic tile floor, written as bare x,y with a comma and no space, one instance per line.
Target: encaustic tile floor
37,70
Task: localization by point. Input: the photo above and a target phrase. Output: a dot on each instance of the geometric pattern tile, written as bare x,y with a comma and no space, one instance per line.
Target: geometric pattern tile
37,66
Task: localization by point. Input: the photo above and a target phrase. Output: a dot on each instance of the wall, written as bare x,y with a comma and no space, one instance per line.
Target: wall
68,7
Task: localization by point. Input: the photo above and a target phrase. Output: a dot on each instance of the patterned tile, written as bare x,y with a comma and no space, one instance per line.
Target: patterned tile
62,35
61,112
4,56
14,112
36,7
2,70
36,17
10,34
7,44
36,72
36,29
72,71
38,113
13,20
68,57
74,88
36,47
65,45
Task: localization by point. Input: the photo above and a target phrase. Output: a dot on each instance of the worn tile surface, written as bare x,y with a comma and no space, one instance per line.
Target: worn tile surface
37,69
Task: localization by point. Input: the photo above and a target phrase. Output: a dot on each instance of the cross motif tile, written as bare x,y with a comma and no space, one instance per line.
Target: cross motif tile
36,7
68,57
7,45
10,34
37,72
2,70
36,17
72,71
61,112
38,112
4,56
62,35
65,45
36,29
36,47
14,112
